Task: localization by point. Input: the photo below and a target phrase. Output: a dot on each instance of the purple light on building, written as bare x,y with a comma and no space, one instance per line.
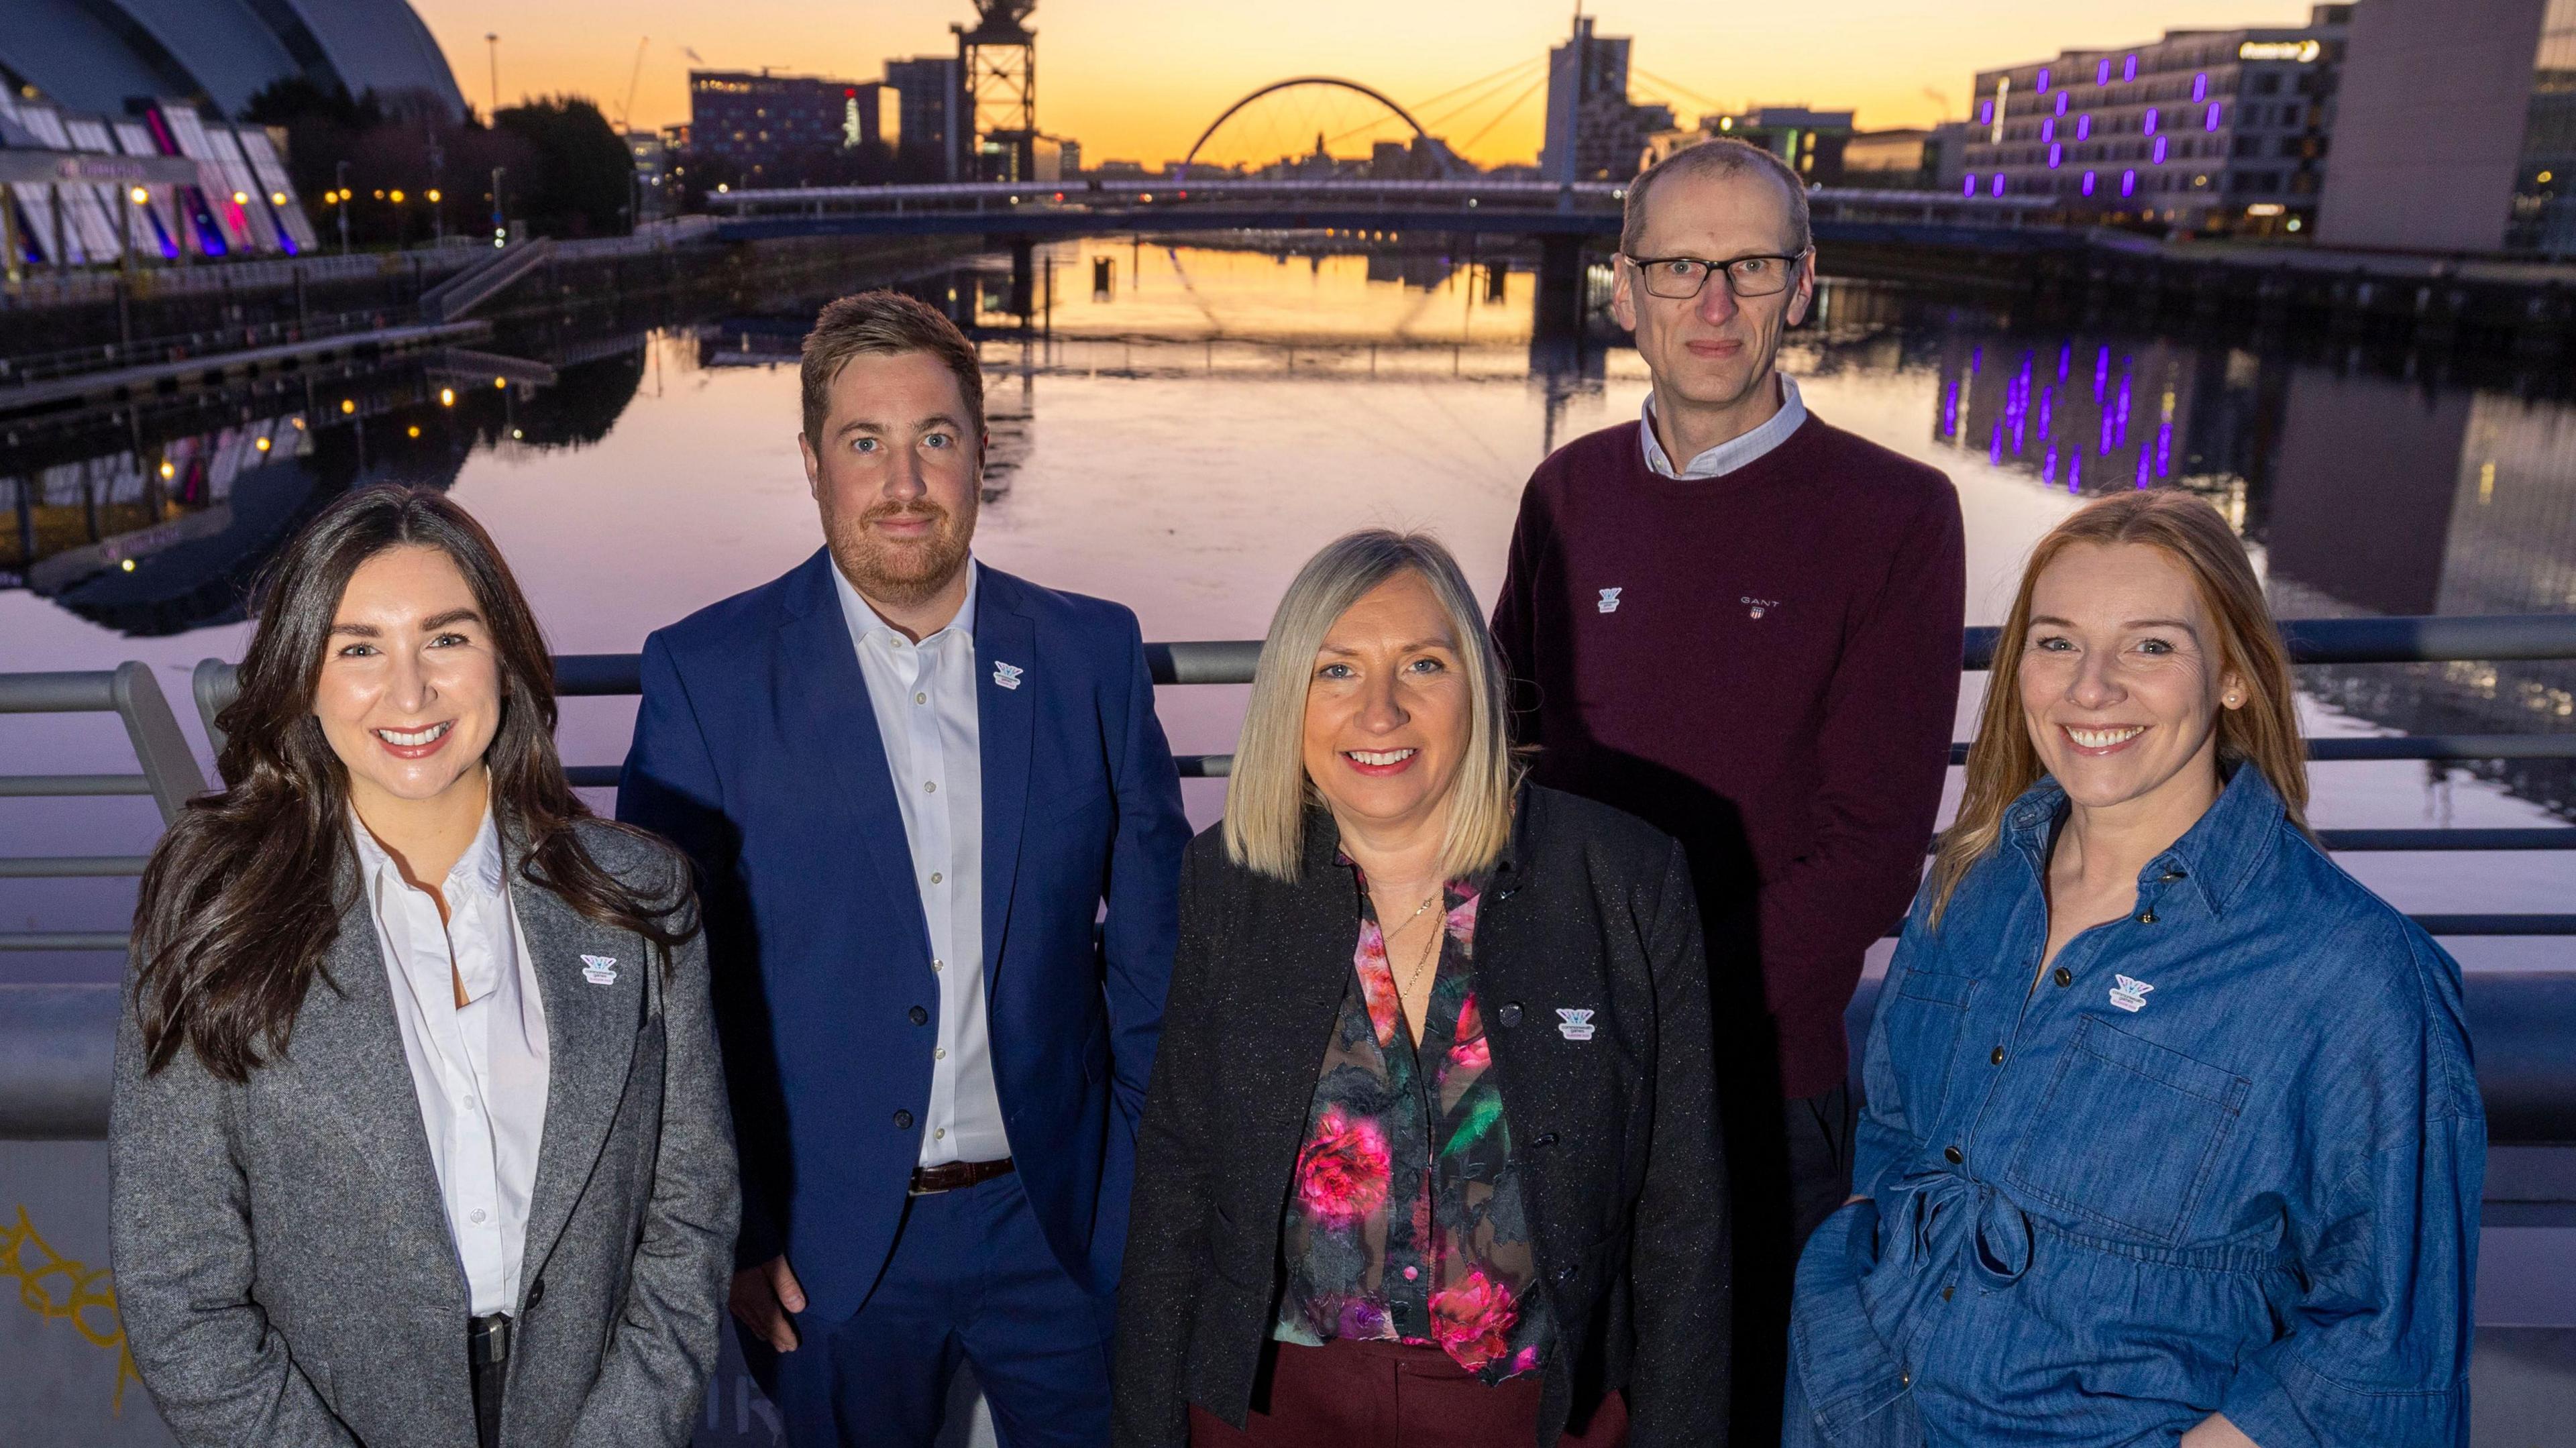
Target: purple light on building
1950,412
2048,467
2210,123
1985,113
2128,183
2074,469
2061,103
2129,68
2142,467
2102,72
2043,80
2101,372
2048,130
2200,86
2164,448
2106,433
1976,359
2047,396
2120,415
2160,150
2083,127
1995,448
2151,120
2065,359
1969,187
1999,183
2054,152
2088,183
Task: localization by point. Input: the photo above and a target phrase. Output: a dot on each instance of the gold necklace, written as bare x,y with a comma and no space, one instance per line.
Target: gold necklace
1430,947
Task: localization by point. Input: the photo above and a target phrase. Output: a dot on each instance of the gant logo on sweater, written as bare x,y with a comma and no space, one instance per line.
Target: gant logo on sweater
1759,606
1610,600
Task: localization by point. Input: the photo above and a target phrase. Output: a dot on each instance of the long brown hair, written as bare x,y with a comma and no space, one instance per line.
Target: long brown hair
2264,732
245,893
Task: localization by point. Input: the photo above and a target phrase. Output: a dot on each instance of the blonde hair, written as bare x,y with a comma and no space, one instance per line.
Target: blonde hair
1268,793
2003,763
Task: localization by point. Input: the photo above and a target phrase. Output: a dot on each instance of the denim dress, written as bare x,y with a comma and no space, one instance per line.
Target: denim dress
2225,1156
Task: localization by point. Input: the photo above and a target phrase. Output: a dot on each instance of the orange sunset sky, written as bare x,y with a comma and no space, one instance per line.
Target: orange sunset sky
1138,79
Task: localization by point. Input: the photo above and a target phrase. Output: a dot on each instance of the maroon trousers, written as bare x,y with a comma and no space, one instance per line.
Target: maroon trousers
1391,1395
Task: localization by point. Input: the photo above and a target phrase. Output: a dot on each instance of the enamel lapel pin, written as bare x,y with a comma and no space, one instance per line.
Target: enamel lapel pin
2130,995
1574,1025
599,969
1610,599
1006,675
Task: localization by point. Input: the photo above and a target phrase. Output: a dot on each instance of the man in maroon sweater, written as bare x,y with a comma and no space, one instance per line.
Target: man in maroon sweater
1743,625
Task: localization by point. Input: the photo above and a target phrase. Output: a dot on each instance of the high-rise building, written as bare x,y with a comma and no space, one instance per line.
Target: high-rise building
1594,132
2493,172
761,121
2201,130
934,111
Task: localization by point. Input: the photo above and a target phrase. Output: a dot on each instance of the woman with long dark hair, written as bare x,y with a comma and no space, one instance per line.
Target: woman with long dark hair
419,1131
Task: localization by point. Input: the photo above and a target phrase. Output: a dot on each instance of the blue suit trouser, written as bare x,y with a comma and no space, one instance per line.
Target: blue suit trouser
971,1279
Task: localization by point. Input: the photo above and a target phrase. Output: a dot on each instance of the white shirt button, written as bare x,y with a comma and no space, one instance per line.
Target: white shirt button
936,877
475,1216
466,1102
930,786
939,965
939,1133
939,1053
921,698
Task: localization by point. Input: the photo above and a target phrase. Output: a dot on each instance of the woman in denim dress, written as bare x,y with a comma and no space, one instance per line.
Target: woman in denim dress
2171,1132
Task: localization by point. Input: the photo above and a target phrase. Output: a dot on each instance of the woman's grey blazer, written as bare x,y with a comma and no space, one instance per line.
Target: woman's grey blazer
283,1263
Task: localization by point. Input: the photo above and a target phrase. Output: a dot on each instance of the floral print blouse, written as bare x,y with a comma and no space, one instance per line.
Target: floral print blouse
1406,1221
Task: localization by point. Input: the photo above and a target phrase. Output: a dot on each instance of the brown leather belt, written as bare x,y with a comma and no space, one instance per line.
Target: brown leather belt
956,1176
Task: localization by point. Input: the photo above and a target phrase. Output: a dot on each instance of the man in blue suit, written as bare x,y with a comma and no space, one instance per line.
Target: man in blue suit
910,782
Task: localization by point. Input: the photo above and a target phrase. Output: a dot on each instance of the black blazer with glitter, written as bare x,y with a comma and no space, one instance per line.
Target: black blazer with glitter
1616,1128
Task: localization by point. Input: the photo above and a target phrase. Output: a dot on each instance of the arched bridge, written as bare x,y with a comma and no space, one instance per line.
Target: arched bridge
1439,152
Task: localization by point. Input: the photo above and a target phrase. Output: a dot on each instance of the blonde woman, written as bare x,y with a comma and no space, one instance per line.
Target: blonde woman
1430,1155
2171,1132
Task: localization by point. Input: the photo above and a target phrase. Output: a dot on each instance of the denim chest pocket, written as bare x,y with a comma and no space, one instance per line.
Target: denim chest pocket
2128,1132
1924,1018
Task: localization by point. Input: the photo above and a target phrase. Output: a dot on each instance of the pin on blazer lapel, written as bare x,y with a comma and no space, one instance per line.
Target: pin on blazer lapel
590,1047
1005,726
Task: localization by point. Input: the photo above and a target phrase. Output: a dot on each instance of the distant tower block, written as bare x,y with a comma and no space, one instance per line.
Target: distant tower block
998,61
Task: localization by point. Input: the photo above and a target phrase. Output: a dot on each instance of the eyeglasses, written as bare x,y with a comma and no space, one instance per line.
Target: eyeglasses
1679,278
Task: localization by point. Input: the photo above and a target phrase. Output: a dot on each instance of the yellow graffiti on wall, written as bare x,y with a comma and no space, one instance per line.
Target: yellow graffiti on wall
54,1286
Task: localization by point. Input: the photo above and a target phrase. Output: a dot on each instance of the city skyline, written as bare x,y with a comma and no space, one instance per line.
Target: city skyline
1138,79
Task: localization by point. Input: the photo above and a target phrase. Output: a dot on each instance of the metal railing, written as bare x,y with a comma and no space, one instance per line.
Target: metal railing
55,1040
169,777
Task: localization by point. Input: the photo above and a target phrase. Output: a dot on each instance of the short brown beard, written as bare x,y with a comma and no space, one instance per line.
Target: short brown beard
905,575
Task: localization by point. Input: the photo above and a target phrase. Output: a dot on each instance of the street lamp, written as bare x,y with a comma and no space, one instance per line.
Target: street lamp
342,168
500,228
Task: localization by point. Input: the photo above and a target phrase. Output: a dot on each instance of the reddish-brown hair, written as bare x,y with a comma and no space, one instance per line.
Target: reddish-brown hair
2264,732
882,324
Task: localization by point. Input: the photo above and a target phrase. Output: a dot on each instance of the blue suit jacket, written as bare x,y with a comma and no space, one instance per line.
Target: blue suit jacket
757,752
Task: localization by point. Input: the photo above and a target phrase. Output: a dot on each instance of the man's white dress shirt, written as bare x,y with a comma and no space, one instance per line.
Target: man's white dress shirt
923,696
479,1069
1733,453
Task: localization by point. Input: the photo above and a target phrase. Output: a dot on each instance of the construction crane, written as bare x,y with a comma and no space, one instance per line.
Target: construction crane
626,114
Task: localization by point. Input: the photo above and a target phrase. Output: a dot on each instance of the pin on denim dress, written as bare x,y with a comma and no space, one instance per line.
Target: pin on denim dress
2224,1156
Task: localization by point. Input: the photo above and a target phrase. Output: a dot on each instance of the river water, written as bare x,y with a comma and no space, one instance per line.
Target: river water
1181,427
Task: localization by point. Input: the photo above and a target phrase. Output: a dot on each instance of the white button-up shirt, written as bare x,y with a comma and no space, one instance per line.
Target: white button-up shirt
923,696
1733,453
479,1069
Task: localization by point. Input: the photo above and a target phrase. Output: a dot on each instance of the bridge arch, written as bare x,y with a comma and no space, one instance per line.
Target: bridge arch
1441,155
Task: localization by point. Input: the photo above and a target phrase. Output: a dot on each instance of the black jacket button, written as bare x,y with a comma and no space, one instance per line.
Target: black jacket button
919,1016
2064,976
1544,1138
1953,1155
536,1292
903,1121
1509,1014
2146,917
1568,1274
1998,1057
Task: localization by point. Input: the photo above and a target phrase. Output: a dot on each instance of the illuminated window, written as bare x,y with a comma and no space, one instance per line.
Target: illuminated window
2160,150
1970,189
2211,123
2083,127
2061,103
2151,120
2200,86
2043,80
2048,130
1999,183
2128,183
2129,69
2102,72
2054,153
2088,183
